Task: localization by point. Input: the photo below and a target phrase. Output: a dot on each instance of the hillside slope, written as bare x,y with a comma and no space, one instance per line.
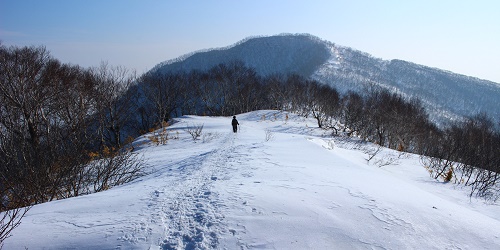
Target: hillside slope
446,95
268,55
277,184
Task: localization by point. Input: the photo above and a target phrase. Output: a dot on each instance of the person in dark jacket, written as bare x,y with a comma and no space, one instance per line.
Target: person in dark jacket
235,124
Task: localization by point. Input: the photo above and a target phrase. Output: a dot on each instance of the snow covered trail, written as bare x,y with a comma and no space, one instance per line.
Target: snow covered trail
279,183
190,210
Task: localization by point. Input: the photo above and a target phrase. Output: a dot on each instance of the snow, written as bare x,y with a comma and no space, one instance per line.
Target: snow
279,183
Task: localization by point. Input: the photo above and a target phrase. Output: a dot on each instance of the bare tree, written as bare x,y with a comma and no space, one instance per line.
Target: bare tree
114,102
49,114
275,88
352,113
162,92
112,168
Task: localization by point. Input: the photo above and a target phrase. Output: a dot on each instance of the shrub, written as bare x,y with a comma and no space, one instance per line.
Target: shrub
449,175
113,168
195,131
10,219
160,137
269,135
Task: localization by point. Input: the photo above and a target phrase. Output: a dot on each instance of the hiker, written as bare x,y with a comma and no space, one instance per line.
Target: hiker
235,124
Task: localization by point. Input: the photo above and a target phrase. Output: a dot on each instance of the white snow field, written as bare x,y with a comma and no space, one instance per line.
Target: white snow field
276,184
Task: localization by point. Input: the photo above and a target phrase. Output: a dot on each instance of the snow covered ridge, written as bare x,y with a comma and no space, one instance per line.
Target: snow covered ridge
279,183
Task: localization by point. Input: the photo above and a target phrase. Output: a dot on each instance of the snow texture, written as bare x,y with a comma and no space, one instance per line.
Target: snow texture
279,183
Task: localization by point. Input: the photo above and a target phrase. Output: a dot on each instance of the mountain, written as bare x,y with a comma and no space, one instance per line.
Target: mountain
268,55
255,190
446,95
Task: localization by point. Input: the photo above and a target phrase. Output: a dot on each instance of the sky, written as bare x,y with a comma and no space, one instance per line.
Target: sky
462,36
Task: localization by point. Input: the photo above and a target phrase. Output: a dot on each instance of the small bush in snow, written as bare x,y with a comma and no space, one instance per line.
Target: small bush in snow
175,136
10,219
449,175
269,135
195,131
208,137
160,137
372,152
437,167
112,168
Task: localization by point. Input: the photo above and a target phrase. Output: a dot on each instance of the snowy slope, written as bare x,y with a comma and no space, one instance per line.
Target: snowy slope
298,190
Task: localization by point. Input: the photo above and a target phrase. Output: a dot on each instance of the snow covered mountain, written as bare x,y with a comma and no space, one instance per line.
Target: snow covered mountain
279,183
446,95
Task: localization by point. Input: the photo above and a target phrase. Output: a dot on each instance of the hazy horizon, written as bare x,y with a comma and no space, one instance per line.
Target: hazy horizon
458,36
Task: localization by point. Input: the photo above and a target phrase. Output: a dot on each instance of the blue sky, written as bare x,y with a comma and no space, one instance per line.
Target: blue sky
456,35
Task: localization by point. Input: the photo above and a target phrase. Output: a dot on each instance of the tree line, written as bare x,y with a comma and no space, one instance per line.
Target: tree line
467,153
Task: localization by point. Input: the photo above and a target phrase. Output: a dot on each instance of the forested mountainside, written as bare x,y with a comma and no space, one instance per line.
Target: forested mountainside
446,95
267,55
